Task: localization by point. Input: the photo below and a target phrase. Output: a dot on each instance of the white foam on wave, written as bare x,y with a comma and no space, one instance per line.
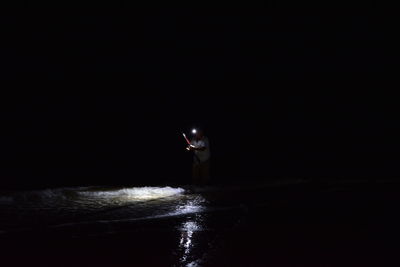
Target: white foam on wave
136,193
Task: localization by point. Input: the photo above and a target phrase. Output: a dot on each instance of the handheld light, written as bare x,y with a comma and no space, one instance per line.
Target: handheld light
187,141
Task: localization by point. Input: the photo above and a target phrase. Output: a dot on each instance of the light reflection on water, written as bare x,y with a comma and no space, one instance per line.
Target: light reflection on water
189,231
187,242
194,205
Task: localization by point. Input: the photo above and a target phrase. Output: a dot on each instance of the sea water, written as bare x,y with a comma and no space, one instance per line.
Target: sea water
55,207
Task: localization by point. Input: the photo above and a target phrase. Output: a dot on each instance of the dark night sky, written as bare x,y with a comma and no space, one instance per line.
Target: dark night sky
280,94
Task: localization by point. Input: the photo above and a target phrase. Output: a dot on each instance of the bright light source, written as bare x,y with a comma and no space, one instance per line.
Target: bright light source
194,131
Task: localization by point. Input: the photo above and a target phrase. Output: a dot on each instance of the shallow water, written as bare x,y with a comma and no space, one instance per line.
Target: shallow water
74,206
98,211
316,224
69,206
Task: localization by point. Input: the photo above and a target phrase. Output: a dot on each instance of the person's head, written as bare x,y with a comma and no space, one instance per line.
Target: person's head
199,134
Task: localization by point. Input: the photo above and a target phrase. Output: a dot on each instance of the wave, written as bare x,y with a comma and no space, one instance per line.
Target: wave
46,195
58,195
138,193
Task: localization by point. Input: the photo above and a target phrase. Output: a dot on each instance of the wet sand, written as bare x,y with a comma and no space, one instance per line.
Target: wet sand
313,224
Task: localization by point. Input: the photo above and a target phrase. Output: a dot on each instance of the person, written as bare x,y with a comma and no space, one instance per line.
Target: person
201,159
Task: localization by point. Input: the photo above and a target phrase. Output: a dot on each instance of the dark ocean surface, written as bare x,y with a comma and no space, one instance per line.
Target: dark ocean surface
296,223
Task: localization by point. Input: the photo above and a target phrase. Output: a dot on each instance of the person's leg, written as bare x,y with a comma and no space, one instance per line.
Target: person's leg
196,174
205,172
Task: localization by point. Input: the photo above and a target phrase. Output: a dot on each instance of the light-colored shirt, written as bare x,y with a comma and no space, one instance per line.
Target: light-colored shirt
202,155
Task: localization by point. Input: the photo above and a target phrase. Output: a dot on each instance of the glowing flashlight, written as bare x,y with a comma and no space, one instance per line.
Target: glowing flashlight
187,141
194,131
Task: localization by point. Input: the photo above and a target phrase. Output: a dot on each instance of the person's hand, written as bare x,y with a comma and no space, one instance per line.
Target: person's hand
190,147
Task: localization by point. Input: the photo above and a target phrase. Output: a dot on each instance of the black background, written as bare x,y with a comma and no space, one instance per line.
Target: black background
280,94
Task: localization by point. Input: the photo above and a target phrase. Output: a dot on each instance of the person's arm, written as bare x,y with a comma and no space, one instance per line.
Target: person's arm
202,148
189,147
